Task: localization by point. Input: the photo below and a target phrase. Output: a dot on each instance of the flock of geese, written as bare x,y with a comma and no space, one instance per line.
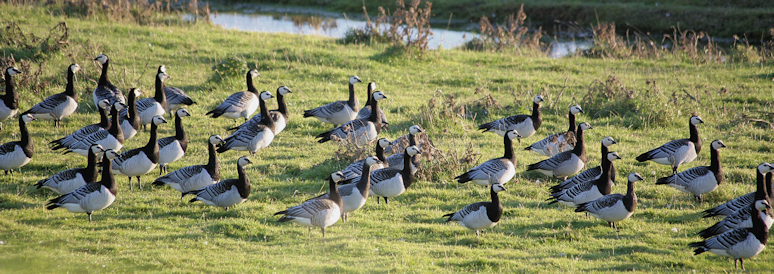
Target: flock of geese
741,235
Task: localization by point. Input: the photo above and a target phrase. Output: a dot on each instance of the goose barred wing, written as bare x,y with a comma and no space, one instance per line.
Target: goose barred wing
77,136
211,192
49,104
723,241
119,161
7,148
181,174
664,151
235,102
553,162
326,110
493,168
585,176
86,142
75,196
504,123
460,215
163,142
59,177
685,177
741,218
352,171
144,104
309,208
109,92
242,137
732,206
601,203
177,96
380,175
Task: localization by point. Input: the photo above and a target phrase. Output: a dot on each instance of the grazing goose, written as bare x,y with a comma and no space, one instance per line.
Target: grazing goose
358,131
391,182
129,117
354,196
566,163
353,171
256,136
613,207
586,191
173,148
9,103
365,112
339,112
228,192
71,179
740,219
112,138
156,106
396,160
191,178
79,135
701,179
279,115
318,212
559,142
676,152
748,199
94,196
105,89
525,125
401,143
481,215
591,173
140,161
739,243
58,106
18,153
495,171
240,104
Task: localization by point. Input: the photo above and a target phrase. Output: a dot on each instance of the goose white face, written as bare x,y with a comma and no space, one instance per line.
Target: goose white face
415,129
104,103
254,73
182,112
158,120
163,68
265,95
119,106
371,160
28,118
337,176
412,150
13,71
354,80
111,154
513,134
283,90
97,148
762,205
136,92
634,177
379,96
102,59
585,126
695,120
608,141
717,144
215,139
75,68
163,76
372,86
498,187
764,167
575,109
384,142
243,161
612,156
538,99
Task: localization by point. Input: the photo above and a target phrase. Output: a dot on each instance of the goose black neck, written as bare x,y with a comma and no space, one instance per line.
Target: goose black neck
152,147
250,85
760,190
605,150
537,117
26,142
70,89
90,172
580,146
131,114
243,185
179,131
369,95
413,139
265,117
380,152
365,180
695,137
103,78
107,175
759,228
334,192
603,183
715,164
104,120
11,98
495,210
408,176
769,187
160,96
213,166
352,102
630,200
572,127
115,127
375,117
282,106
508,146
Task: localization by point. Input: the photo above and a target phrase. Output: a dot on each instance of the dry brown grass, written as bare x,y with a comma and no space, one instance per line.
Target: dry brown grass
511,35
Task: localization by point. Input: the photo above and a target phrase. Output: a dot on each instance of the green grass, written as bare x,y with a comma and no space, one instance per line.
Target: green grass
153,230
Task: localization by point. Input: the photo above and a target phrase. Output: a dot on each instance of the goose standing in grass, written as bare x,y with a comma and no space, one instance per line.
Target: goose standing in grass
748,199
495,171
318,212
94,196
739,243
240,104
226,193
391,182
586,191
140,161
566,163
9,103
173,148
156,106
176,99
254,137
396,160
613,207
740,219
71,179
401,143
80,134
701,179
129,117
358,131
61,105
279,115
105,89
191,178
112,138
339,112
481,215
677,152
353,171
591,173
525,125
559,142
18,153
365,112
354,196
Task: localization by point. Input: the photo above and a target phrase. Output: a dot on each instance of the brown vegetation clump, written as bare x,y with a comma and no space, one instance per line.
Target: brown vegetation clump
512,35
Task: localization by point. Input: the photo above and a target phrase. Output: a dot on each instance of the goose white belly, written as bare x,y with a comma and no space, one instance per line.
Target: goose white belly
568,167
172,106
525,128
6,112
261,140
14,159
198,181
154,110
747,248
505,178
135,166
700,185
615,213
326,217
682,155
353,201
388,188
67,186
366,135
767,220
91,202
62,110
170,153
338,118
477,220
128,130
280,123
226,199
249,108
583,197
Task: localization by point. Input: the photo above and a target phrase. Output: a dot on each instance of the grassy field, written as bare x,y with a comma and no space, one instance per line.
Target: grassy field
153,230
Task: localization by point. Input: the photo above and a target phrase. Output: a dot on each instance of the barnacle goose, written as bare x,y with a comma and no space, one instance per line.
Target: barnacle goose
358,131
156,106
401,143
676,152
80,134
256,136
396,160
176,99
59,106
18,153
105,89
701,179
354,196
740,219
391,182
559,142
71,179
339,112
240,104
140,161
591,173
279,115
353,171
481,215
93,196
195,177
173,148
613,207
566,163
318,212
9,103
586,191
129,117
525,125
739,243
112,138
228,192
761,192
365,112
495,171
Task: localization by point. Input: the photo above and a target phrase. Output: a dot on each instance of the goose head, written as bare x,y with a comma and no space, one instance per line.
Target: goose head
384,142
608,141
513,134
103,104
585,126
215,139
372,86
695,120
102,59
538,99
111,154
764,167
119,106
354,80
415,129
182,112
634,177
265,95
243,161
28,118
163,76
412,150
75,68
762,205
379,95
336,177
717,144
136,92
372,160
612,156
283,90
575,109
498,187
96,149
253,73
158,120
162,69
